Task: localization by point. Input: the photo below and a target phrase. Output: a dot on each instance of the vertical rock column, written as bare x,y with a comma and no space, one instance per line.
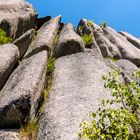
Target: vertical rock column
69,42
9,55
45,37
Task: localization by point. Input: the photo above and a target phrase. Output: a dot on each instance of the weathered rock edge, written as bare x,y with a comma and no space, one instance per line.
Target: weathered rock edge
9,55
24,41
69,42
21,94
45,37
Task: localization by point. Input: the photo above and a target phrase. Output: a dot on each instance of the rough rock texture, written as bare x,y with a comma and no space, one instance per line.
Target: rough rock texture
20,96
107,48
128,67
128,51
85,27
45,37
131,38
9,135
77,88
24,41
9,55
69,42
16,17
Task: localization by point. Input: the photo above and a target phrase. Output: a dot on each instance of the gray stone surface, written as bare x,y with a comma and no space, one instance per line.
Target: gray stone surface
24,41
45,37
77,88
135,41
9,55
16,17
107,48
9,135
128,68
128,51
69,42
21,94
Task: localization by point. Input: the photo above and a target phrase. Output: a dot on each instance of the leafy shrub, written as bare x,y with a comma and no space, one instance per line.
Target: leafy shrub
121,123
104,24
88,39
3,38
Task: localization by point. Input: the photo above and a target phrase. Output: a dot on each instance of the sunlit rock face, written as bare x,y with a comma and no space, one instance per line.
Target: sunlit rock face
72,85
16,17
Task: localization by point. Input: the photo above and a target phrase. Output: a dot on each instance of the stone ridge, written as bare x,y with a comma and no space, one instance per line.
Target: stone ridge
82,55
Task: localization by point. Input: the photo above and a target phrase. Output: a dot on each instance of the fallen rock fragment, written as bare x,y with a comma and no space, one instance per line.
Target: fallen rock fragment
21,95
9,55
24,41
69,42
45,37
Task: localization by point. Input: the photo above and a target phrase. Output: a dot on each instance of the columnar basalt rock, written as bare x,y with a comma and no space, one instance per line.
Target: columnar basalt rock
21,95
131,39
9,55
24,41
128,51
45,37
107,48
9,135
69,42
16,17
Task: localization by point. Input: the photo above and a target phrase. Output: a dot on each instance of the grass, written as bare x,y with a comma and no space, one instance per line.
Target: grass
30,130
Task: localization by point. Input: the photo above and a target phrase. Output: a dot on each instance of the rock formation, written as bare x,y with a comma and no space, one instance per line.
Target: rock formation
75,87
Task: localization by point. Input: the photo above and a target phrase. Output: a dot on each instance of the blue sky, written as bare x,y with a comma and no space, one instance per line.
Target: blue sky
119,14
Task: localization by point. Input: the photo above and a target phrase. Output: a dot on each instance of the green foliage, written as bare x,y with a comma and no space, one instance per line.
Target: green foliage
90,23
104,24
137,74
88,39
50,69
121,123
3,38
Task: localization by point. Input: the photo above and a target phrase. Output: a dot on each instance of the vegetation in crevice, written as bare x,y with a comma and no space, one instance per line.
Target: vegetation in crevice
87,38
3,37
121,123
30,130
103,24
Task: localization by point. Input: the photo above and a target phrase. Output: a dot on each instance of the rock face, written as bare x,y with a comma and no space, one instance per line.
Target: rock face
107,48
9,135
132,39
45,37
24,41
69,42
77,87
127,50
9,55
16,17
128,67
20,96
